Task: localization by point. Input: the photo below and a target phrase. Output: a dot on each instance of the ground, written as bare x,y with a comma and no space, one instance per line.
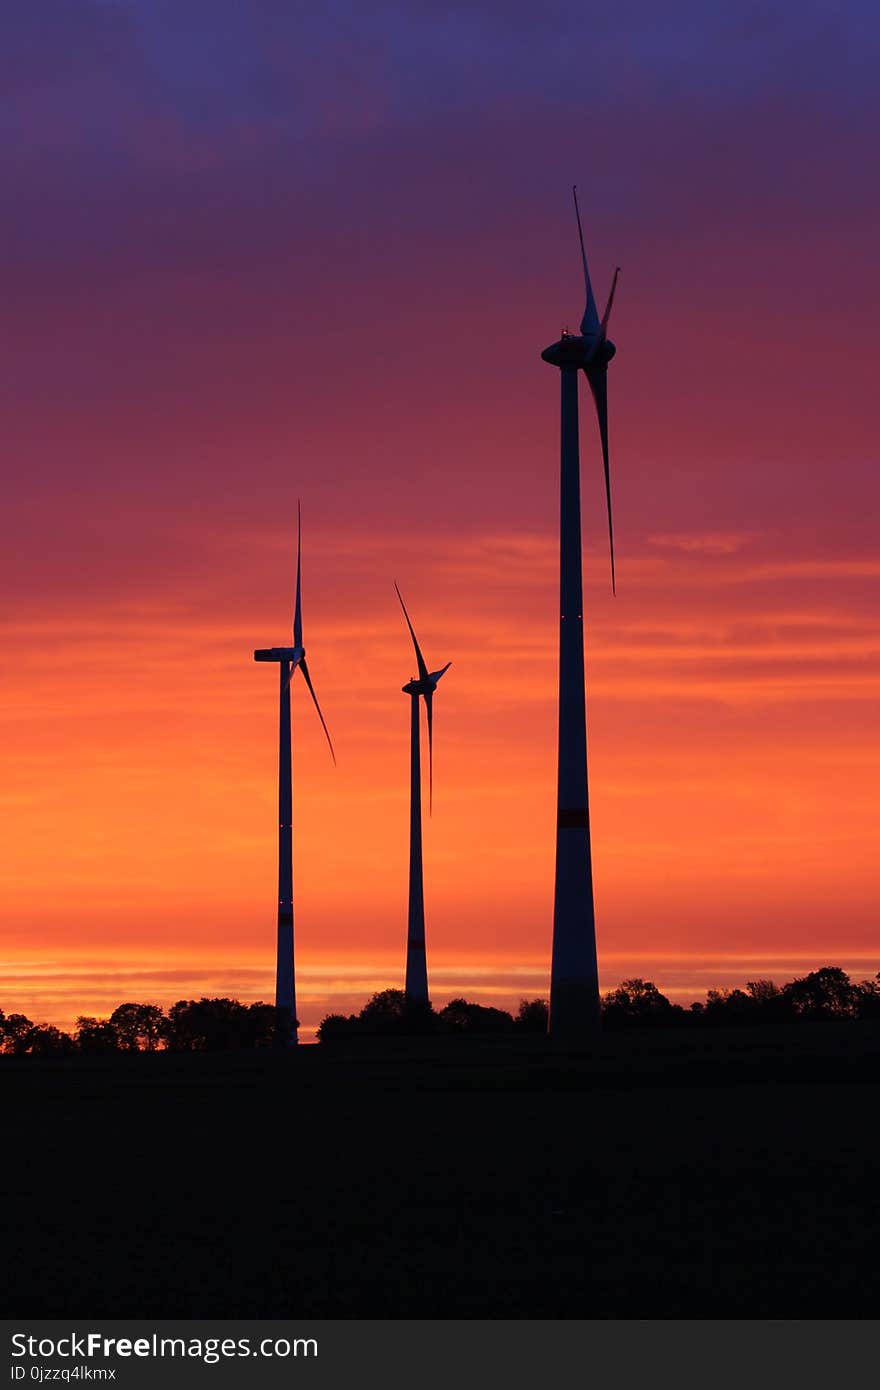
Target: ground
728,1173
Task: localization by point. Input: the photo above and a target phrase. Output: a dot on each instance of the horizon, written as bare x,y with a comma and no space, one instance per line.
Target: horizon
487,985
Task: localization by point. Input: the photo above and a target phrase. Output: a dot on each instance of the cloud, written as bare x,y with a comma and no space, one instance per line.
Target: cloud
815,569
706,542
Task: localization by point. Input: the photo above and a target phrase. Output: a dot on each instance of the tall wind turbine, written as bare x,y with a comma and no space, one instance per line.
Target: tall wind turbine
574,976
289,658
416,986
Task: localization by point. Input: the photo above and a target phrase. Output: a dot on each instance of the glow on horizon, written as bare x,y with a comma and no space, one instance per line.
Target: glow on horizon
731,799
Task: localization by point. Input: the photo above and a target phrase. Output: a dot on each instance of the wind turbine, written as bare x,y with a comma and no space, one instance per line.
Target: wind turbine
289,659
416,986
574,976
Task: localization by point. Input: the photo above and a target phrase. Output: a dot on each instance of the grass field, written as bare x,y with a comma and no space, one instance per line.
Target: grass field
707,1173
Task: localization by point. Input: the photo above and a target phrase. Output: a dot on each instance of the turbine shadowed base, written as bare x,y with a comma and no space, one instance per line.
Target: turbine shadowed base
416,986
574,1009
574,995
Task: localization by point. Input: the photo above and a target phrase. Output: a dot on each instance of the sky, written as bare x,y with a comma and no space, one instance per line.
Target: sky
255,253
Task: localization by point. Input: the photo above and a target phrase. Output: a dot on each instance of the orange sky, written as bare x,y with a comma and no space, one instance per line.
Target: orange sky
323,263
732,761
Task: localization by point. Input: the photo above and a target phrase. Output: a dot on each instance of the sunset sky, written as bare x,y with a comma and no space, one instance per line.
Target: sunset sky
267,251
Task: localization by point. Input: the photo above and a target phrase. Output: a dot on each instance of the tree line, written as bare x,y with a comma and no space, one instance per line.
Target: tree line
190,1025
824,994
219,1025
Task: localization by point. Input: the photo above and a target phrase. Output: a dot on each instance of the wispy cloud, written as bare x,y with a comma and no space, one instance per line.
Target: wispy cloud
704,542
857,568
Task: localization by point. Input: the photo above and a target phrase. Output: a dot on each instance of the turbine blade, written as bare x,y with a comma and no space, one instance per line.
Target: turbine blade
308,680
291,667
590,320
297,612
423,670
603,327
429,710
598,380
435,675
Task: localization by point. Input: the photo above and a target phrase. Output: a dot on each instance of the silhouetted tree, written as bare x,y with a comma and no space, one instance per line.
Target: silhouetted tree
729,1006
16,1031
337,1028
139,1027
823,994
388,1005
218,1025
638,1001
770,1002
48,1041
868,998
763,991
389,1012
458,1016
96,1035
532,1016
268,1026
19,1035
203,1025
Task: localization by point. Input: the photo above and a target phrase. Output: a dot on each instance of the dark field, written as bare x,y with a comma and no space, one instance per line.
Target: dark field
667,1175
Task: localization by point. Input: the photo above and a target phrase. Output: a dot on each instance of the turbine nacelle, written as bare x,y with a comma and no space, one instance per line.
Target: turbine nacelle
575,350
416,687
426,686
293,654
571,351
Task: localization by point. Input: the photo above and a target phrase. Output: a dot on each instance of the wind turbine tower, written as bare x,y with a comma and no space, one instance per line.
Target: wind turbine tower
288,658
574,976
424,685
